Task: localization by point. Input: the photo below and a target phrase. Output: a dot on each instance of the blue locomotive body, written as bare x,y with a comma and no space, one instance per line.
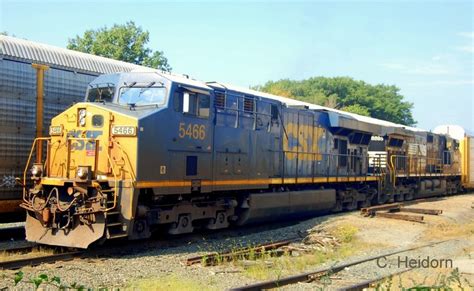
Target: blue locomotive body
209,155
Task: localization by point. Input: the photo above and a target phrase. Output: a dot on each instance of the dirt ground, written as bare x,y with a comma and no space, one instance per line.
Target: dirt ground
347,237
449,263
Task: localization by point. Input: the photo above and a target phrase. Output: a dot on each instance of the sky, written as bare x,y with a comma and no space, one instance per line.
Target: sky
426,48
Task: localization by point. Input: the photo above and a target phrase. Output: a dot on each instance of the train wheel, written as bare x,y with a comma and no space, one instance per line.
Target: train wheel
410,195
221,221
184,225
350,205
399,197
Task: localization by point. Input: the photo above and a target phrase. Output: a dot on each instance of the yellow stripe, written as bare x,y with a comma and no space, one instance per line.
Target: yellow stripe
289,181
53,181
156,184
152,184
276,181
304,180
236,182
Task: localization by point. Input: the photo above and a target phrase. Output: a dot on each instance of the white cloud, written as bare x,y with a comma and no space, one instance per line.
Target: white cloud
466,34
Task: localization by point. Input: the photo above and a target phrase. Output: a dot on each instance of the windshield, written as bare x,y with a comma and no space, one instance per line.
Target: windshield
142,95
99,94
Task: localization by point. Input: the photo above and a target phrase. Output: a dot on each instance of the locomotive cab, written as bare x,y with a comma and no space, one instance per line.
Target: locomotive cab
87,167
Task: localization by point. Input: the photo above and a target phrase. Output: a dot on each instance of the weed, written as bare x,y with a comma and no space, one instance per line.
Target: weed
44,280
345,232
251,255
452,281
204,260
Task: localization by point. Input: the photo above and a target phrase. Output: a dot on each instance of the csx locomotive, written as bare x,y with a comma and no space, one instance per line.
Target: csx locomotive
149,150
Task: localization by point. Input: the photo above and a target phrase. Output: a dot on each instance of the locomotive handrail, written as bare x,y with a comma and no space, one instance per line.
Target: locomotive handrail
132,174
33,146
418,167
52,157
330,157
115,183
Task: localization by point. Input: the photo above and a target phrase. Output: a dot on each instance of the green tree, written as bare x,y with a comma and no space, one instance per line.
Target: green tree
379,101
120,42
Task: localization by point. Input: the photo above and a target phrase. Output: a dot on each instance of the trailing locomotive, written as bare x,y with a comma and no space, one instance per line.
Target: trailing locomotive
149,151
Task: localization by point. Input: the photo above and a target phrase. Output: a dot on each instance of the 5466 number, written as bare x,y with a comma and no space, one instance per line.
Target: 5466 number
194,131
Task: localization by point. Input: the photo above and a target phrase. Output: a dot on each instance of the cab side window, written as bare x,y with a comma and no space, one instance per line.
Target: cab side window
204,103
192,103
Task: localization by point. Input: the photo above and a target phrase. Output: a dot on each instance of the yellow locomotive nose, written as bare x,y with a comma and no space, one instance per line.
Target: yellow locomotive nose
76,185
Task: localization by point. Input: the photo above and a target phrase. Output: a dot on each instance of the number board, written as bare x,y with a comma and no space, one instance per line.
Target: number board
192,131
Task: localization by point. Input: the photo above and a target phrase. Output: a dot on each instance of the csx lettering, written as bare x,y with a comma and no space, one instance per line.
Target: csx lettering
302,142
80,145
193,131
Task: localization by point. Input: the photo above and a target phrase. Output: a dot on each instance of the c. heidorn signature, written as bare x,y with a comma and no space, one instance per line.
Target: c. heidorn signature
415,263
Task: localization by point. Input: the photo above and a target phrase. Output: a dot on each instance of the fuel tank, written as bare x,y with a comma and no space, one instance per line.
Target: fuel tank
275,206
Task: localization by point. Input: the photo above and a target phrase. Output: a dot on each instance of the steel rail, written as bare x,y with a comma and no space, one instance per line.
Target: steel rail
311,276
35,261
368,283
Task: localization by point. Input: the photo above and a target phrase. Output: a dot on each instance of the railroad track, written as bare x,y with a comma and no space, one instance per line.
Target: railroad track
110,249
243,253
23,256
316,275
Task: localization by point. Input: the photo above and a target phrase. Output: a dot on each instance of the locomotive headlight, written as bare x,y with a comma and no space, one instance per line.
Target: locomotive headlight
82,121
82,173
37,170
82,117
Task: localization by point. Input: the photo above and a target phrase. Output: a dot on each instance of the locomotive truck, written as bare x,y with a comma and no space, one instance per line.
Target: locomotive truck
148,151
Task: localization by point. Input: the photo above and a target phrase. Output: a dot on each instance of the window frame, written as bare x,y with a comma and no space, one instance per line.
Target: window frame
97,88
178,97
165,99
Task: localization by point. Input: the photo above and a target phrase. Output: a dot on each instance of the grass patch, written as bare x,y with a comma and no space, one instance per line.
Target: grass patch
172,282
443,279
35,252
276,267
344,232
450,230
